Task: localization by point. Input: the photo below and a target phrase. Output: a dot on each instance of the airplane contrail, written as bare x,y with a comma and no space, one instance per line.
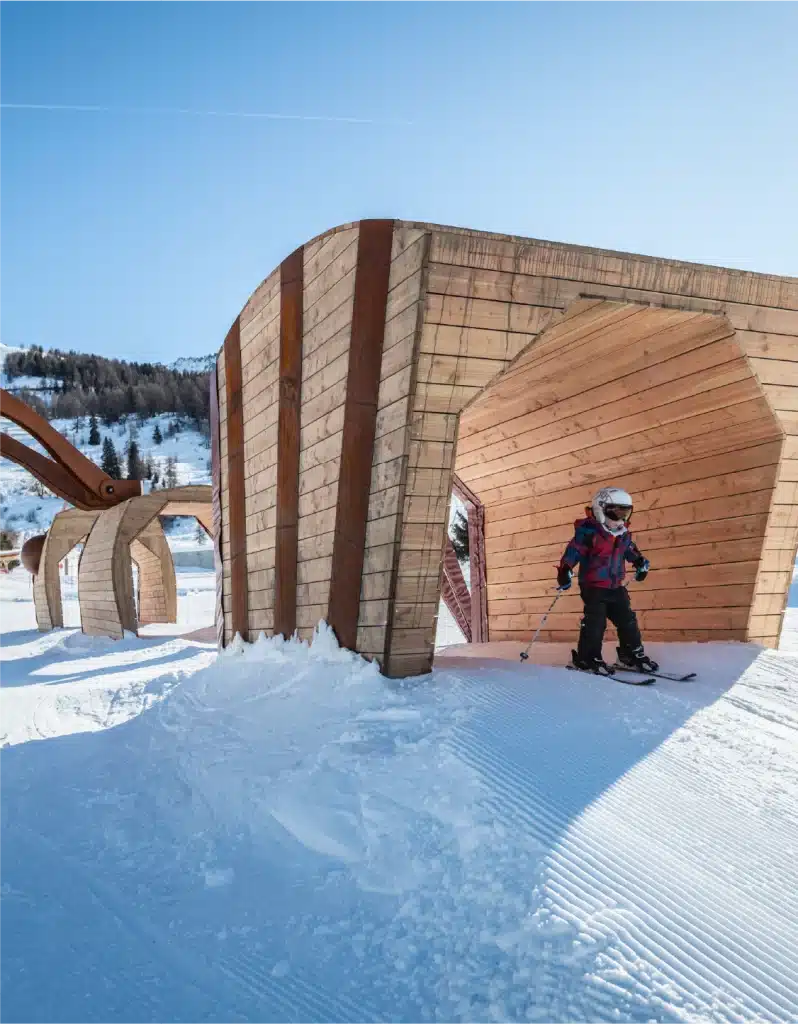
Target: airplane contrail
199,113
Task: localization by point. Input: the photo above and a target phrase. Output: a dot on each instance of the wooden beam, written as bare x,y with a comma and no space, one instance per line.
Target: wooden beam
52,474
87,476
216,485
235,480
477,560
360,416
455,592
288,424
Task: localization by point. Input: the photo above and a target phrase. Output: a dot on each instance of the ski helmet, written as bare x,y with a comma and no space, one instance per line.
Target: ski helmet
613,507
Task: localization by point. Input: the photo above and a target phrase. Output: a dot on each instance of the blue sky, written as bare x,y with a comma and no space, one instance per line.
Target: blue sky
663,128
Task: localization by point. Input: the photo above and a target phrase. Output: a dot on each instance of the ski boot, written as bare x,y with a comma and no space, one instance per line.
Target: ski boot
595,665
636,659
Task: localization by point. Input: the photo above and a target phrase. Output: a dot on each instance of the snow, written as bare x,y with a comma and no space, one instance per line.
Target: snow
278,833
24,510
194,364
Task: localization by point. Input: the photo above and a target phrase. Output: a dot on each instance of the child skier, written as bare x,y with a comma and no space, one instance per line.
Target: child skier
601,545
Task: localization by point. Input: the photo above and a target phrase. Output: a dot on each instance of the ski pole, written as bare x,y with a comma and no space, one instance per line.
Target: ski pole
525,653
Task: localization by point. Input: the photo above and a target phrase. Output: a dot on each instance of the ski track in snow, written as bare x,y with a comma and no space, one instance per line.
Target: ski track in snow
280,834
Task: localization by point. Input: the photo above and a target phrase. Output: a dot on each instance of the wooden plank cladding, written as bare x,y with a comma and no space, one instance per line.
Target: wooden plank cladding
385,362
236,507
359,425
553,458
216,502
290,380
105,577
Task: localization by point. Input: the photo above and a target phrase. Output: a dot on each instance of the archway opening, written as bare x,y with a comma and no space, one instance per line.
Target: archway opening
658,401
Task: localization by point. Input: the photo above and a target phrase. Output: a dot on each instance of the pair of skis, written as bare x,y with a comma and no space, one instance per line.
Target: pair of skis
644,679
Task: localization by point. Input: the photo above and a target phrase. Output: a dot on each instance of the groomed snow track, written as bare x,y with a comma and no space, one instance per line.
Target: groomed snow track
285,835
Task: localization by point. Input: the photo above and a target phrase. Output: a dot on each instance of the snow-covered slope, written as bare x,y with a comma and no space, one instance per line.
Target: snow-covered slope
194,364
283,835
25,507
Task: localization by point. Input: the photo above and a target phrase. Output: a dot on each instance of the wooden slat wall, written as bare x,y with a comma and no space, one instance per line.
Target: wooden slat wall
67,529
678,398
288,425
260,352
459,353
774,358
105,575
157,588
550,459
224,490
104,595
528,257
214,527
328,295
479,276
236,479
369,309
403,317
151,597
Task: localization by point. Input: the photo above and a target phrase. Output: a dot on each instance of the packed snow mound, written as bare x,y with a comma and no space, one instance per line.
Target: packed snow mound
286,835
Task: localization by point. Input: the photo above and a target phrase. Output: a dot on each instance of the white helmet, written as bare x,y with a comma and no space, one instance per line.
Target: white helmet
612,507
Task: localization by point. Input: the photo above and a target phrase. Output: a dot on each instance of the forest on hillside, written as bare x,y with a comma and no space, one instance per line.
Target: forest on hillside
78,384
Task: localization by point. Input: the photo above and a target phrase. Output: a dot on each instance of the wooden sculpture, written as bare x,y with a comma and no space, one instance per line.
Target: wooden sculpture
384,357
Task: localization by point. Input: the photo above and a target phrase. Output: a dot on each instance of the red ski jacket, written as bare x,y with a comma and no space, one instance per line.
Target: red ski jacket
601,555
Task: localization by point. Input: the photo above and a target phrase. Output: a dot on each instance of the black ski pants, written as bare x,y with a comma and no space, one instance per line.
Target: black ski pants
602,603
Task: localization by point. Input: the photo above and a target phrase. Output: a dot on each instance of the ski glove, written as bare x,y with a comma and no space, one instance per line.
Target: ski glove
564,575
641,566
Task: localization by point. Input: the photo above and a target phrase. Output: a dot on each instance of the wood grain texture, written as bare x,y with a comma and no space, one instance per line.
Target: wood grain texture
360,414
540,472
236,512
536,371
67,529
216,500
287,514
105,575
393,452
157,587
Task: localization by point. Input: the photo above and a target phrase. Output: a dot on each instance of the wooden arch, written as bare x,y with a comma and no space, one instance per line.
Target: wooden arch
157,591
67,529
126,532
68,473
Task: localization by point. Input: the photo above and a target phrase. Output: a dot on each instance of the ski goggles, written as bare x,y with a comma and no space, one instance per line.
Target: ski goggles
618,513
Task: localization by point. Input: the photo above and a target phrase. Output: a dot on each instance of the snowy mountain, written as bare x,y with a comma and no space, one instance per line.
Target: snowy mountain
26,507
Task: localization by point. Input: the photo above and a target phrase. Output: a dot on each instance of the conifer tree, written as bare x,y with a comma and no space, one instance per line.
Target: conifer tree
110,460
94,430
134,466
458,535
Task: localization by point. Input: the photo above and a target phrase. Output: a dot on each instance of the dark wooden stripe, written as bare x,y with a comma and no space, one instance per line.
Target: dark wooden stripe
290,388
360,417
477,562
216,483
236,511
